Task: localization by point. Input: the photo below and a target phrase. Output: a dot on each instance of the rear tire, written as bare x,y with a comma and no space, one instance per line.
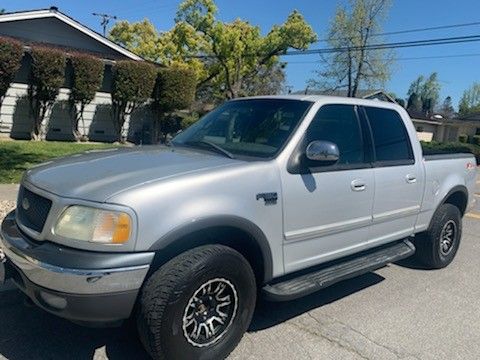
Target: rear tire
437,247
198,305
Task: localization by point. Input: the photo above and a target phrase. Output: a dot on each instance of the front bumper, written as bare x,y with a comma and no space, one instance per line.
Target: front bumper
78,285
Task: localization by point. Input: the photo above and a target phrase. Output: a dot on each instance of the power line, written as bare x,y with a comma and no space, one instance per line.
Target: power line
409,31
401,59
378,46
395,45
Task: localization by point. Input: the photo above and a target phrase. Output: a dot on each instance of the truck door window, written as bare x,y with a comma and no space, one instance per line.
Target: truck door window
339,124
390,137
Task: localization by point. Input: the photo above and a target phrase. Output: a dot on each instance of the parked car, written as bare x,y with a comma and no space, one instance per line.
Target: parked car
279,196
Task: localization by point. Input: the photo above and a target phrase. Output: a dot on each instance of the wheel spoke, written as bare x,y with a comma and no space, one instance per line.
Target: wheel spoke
209,312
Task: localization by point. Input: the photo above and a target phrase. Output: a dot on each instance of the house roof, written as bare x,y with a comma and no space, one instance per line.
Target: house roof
53,12
471,117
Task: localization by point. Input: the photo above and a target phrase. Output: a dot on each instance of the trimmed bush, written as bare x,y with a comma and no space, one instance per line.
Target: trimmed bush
432,148
11,53
463,138
133,84
87,79
476,139
48,75
174,90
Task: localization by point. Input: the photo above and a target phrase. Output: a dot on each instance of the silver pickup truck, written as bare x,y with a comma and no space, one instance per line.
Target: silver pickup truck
279,196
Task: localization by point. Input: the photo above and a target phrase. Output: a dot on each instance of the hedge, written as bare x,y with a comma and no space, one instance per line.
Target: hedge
133,84
476,140
174,90
87,79
48,75
463,138
11,53
433,148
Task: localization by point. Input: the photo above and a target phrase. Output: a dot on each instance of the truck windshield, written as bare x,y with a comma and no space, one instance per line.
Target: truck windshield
250,127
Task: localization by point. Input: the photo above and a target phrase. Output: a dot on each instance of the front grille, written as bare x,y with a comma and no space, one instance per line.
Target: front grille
32,209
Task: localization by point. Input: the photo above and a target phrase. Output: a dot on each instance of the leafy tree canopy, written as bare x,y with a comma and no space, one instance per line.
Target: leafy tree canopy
223,55
352,29
470,101
427,90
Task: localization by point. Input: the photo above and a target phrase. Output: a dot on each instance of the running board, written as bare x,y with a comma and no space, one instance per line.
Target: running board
311,282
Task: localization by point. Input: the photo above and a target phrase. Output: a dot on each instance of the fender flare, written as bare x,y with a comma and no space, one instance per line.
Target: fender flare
221,221
459,188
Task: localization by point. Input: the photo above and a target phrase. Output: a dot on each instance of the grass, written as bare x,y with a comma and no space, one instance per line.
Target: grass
18,156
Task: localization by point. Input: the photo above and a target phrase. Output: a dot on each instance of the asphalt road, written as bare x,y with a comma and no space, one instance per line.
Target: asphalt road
398,312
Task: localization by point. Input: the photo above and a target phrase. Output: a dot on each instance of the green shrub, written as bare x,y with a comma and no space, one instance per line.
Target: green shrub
189,120
432,148
476,140
11,53
463,138
133,84
87,79
174,90
48,75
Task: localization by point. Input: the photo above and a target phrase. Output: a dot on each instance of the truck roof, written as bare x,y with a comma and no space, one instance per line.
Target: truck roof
330,99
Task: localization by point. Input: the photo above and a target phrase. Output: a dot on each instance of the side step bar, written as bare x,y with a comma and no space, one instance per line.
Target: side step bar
305,284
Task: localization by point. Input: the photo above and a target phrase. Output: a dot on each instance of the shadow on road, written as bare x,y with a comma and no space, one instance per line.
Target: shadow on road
268,314
27,332
31,333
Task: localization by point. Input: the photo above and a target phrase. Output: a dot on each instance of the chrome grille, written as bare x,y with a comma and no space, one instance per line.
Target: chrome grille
32,209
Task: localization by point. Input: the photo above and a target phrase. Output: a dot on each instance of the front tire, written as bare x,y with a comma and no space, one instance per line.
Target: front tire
198,305
437,247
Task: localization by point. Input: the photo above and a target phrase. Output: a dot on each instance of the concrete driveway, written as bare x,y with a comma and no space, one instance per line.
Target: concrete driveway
399,312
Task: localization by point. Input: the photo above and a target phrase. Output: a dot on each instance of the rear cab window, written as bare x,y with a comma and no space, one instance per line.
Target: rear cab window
391,141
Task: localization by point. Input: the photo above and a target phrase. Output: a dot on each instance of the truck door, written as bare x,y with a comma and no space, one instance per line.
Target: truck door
328,209
399,177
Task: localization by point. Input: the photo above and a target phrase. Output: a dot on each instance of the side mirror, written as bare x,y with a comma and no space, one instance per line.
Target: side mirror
323,152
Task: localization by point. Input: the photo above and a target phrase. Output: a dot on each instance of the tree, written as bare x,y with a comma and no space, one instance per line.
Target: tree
470,101
353,66
132,86
447,109
224,56
267,81
174,90
141,38
48,75
427,90
11,53
87,79
414,103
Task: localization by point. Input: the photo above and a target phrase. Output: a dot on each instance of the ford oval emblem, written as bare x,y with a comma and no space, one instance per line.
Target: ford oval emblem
25,204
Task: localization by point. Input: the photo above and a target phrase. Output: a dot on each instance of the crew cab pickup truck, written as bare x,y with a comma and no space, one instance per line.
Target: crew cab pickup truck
277,196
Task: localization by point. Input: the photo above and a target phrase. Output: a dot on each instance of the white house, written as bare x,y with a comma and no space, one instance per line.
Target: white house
50,27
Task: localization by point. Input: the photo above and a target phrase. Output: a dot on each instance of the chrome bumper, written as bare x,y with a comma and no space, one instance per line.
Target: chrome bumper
30,258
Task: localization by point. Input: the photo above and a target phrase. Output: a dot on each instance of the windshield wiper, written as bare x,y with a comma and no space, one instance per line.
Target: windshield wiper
212,145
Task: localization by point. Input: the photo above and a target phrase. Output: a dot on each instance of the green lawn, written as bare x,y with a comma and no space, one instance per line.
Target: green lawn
17,156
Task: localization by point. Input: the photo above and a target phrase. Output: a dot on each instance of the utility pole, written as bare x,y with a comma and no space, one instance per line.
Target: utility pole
105,20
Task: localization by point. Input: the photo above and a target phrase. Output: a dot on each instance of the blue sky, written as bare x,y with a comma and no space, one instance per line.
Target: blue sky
455,74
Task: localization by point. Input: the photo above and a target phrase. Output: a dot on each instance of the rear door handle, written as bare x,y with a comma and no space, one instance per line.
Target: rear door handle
358,185
411,179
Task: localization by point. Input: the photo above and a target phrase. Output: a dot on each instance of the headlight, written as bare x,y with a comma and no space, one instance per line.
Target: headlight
94,225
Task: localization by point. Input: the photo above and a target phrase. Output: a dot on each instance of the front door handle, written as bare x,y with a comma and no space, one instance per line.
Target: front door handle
358,185
411,179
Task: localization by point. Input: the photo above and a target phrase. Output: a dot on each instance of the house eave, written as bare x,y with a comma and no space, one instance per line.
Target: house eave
39,14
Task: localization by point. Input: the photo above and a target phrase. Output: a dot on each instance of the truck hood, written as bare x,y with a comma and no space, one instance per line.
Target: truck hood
97,175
